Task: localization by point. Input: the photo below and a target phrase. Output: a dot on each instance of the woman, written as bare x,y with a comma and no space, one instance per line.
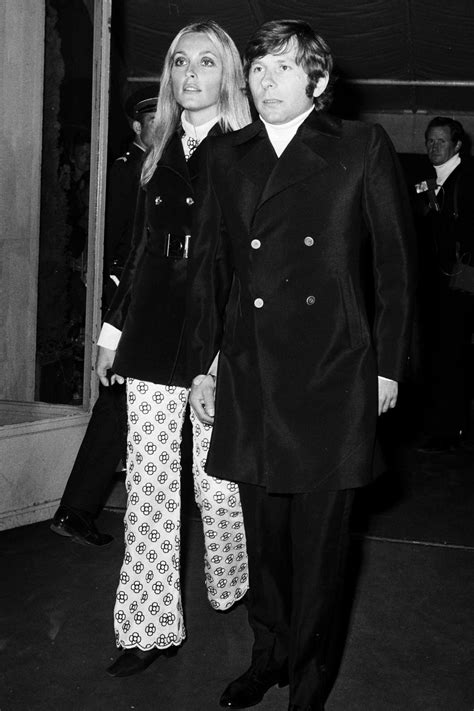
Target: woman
201,93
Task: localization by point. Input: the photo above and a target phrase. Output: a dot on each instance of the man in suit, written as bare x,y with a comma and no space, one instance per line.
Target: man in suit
446,225
104,442
306,217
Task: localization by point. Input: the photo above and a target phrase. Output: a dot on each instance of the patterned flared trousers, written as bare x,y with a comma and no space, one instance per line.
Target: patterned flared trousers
148,611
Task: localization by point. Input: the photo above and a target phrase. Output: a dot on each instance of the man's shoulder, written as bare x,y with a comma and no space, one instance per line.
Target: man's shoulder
466,168
228,140
129,158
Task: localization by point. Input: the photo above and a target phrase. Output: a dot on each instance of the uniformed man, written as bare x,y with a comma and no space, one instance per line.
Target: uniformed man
103,445
122,192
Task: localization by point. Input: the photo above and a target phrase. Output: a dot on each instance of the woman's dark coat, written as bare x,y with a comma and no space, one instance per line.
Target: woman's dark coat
149,306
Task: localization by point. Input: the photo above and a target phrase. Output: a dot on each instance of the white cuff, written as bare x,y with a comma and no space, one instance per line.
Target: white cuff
213,367
388,380
109,337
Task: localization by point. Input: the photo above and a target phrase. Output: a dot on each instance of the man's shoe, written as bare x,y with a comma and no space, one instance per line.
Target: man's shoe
79,527
438,444
249,689
134,661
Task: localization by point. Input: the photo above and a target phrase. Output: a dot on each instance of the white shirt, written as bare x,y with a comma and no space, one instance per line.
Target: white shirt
444,170
281,134
198,133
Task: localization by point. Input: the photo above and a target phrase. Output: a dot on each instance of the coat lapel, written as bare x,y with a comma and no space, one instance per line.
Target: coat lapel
255,161
173,159
304,156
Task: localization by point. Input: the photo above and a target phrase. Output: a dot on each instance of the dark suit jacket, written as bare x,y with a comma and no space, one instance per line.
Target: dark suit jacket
314,243
149,306
122,188
454,223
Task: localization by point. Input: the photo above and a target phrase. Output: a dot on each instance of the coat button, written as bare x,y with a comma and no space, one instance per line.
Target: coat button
258,303
189,201
310,300
309,241
255,244
158,200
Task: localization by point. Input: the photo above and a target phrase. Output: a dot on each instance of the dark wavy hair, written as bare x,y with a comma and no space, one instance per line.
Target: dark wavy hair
312,53
455,127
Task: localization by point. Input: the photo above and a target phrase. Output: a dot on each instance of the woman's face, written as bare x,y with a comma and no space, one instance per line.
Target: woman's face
196,77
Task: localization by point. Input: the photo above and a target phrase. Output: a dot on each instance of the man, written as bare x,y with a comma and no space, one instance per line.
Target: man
123,183
446,202
301,213
104,441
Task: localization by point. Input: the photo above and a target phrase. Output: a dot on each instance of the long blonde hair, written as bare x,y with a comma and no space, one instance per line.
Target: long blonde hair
233,105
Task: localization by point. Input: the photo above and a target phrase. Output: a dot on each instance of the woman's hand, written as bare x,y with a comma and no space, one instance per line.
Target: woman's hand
104,363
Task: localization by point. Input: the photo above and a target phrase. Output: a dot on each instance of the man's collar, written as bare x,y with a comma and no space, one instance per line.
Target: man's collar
317,121
138,145
444,170
290,125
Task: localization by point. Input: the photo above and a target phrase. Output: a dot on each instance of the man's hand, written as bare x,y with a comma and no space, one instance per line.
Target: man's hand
388,393
202,398
104,363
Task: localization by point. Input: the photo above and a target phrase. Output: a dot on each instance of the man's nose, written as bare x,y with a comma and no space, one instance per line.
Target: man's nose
268,80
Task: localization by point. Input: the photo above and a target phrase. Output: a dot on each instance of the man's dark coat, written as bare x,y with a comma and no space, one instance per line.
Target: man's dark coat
319,248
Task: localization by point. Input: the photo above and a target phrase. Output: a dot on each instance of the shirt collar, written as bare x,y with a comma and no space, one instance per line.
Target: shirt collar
294,124
197,132
444,170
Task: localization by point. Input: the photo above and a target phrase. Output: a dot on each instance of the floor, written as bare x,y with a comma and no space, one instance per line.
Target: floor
409,643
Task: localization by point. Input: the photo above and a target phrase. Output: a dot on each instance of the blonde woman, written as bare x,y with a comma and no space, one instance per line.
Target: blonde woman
201,93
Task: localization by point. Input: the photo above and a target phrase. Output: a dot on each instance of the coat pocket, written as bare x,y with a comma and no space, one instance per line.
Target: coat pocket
357,328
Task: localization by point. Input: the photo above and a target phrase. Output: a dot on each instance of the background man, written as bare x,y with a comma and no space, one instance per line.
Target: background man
104,441
306,217
446,203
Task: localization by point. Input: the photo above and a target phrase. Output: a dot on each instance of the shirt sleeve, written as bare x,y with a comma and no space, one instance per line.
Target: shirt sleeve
109,337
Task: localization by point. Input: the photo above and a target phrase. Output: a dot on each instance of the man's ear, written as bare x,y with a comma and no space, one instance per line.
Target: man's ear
321,85
137,127
458,147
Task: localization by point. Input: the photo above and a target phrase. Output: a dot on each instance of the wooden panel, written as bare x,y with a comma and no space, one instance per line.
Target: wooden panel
21,98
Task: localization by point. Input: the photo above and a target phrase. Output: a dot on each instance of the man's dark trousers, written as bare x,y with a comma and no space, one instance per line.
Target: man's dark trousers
297,546
102,448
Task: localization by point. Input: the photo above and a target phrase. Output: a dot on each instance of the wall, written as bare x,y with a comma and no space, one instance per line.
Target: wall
38,442
407,130
21,92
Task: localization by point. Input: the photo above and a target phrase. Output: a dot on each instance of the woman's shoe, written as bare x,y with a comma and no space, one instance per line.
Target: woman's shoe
134,660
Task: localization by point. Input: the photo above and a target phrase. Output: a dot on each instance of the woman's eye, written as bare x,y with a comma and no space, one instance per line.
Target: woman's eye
179,62
208,62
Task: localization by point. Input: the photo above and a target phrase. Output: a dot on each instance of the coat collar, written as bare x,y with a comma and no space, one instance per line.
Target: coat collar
173,156
306,154
194,161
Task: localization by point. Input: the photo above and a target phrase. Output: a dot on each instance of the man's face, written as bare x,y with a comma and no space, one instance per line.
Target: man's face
196,77
146,132
82,156
278,86
440,146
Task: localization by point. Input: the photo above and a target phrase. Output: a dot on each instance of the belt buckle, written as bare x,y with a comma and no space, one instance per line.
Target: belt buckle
177,246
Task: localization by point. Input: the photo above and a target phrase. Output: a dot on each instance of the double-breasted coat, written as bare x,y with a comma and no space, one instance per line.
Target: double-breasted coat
318,248
149,306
